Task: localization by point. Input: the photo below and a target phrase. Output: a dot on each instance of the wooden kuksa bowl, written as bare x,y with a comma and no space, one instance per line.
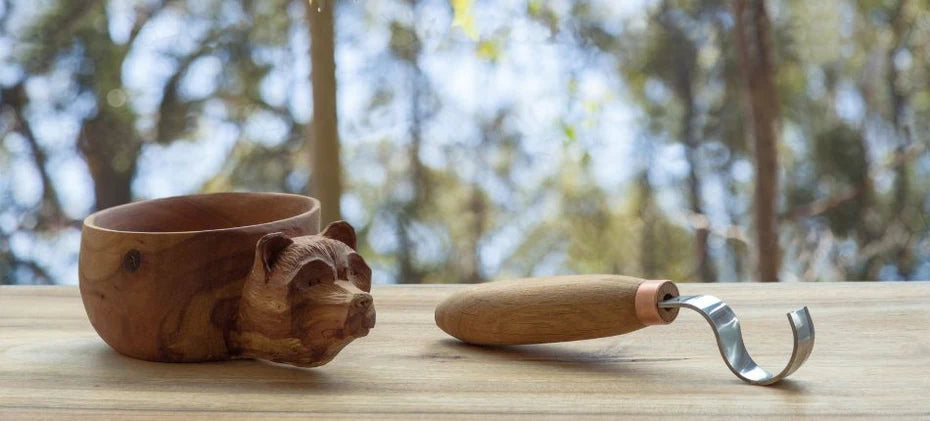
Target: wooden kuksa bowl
165,279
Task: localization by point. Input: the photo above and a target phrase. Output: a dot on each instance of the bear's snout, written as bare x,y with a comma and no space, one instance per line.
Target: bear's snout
361,314
361,302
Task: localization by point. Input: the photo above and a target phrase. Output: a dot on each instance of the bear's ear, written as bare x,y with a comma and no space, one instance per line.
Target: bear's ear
341,231
269,247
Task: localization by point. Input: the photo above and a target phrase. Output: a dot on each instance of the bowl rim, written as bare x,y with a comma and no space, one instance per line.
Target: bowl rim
89,221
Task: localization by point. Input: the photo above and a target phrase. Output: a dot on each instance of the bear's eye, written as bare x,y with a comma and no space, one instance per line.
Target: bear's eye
309,282
314,272
359,272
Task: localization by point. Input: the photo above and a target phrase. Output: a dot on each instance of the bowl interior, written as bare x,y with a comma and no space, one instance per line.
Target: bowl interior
202,212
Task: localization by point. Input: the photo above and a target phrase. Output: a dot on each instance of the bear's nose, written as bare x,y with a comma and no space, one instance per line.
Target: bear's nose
361,301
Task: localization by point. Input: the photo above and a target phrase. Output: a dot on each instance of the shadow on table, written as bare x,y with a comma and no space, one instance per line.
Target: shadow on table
599,361
551,354
250,375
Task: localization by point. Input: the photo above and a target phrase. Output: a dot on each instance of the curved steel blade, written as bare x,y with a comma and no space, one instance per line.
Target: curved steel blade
730,338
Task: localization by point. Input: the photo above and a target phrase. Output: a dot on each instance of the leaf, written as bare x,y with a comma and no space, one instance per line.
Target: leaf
404,42
488,50
463,18
569,131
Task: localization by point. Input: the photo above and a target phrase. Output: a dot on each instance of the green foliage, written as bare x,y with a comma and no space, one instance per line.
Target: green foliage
840,160
469,198
464,18
404,42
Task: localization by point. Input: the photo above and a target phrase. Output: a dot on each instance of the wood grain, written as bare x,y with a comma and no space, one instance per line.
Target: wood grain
224,276
152,272
306,299
871,360
545,310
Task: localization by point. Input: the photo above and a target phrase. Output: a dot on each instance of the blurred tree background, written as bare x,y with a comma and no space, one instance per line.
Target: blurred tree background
468,140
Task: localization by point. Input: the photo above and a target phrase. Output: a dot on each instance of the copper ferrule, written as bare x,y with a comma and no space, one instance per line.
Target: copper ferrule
648,296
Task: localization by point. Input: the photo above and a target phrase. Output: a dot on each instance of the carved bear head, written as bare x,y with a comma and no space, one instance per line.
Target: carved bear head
306,298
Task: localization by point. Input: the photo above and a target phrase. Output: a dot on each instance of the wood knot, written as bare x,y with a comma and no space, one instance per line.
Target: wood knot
132,260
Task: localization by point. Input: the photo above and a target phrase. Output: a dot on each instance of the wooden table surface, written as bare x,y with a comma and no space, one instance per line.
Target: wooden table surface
871,359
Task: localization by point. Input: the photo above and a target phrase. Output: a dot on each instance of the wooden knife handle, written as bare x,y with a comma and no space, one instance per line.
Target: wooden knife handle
554,309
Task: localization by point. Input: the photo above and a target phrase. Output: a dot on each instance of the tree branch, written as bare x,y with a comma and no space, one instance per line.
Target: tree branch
143,15
899,157
10,261
41,275
50,211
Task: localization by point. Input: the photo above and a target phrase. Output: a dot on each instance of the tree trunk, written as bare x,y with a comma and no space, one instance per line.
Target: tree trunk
705,269
902,252
111,150
471,258
753,44
648,256
409,272
682,79
326,176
